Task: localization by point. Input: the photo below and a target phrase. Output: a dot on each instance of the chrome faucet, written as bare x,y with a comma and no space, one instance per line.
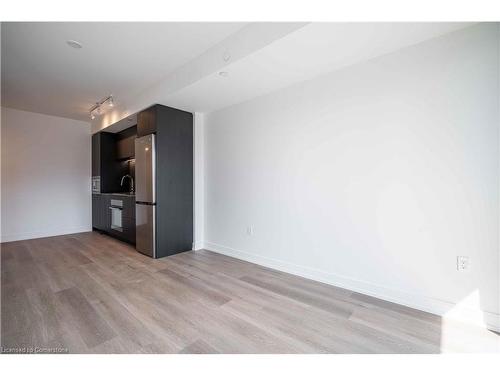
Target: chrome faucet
131,182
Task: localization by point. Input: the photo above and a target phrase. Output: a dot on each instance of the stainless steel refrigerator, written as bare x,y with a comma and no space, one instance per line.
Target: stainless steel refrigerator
145,195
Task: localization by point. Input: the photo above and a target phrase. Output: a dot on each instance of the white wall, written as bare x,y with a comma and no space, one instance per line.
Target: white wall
199,180
373,178
45,175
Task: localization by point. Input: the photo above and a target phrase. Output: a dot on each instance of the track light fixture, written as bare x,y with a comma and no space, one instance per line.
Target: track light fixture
97,107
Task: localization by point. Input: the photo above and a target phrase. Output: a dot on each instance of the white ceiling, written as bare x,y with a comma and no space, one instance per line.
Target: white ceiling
310,51
177,64
41,73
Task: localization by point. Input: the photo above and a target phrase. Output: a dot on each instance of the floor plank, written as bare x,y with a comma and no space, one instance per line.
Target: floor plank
89,324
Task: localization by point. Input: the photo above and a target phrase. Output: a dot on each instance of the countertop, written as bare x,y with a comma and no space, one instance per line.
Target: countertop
122,194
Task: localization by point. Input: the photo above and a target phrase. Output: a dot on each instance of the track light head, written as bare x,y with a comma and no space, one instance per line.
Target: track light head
97,109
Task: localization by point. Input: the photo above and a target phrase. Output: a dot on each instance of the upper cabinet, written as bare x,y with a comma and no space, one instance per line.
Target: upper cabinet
147,121
103,151
125,144
105,163
96,155
125,148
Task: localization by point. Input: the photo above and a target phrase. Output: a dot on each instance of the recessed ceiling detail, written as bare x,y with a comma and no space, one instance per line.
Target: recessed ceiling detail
74,44
303,54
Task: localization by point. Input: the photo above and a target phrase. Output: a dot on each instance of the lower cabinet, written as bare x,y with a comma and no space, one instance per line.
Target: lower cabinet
102,219
129,229
100,212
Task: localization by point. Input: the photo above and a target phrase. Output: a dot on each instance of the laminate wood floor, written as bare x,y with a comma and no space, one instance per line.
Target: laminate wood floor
89,293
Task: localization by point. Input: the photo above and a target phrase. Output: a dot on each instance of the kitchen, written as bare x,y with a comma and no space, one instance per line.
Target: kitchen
142,180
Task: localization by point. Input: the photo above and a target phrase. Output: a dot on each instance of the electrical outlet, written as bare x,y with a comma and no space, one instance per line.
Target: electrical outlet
250,230
463,263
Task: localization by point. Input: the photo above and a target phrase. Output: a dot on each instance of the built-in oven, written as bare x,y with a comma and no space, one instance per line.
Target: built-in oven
96,184
116,207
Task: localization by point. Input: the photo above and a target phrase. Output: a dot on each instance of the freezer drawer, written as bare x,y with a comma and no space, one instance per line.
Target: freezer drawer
145,226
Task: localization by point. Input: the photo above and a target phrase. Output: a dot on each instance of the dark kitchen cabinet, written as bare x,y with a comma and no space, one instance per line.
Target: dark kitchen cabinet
174,180
105,163
100,212
147,121
96,224
96,155
125,144
128,229
125,148
129,207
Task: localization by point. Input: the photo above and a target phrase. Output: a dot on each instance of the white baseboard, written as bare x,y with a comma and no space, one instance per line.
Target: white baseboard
416,301
198,245
40,234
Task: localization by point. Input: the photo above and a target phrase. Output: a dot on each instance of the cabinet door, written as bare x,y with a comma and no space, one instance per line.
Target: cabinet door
96,155
129,207
96,211
105,213
111,168
129,229
125,148
146,122
100,212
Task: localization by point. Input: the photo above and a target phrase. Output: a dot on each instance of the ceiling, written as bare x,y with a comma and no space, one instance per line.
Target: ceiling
41,73
310,51
178,64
